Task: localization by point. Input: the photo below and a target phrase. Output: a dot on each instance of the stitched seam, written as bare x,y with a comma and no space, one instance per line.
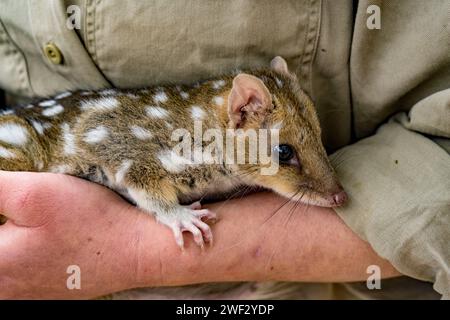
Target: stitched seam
90,30
310,44
315,40
23,74
300,67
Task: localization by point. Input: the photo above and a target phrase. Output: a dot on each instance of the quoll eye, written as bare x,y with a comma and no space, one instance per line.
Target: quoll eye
285,152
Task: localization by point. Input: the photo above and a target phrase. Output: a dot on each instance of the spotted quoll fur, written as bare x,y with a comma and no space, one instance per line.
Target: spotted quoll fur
122,139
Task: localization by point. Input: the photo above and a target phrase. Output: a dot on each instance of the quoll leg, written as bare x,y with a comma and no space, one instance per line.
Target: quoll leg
177,217
191,219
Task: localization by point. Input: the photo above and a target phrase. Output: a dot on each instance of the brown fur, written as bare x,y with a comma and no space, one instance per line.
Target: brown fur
312,179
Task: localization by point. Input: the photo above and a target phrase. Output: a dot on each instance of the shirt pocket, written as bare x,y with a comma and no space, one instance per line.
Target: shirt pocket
40,55
13,66
136,44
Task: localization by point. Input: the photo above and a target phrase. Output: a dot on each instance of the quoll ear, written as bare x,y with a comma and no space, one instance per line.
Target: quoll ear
248,95
278,64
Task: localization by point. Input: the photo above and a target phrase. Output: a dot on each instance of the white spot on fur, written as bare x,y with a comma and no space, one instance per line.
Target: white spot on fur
173,162
108,92
132,96
86,93
6,112
122,171
102,104
5,153
197,113
53,111
169,125
140,133
13,134
277,125
157,112
218,84
160,97
184,95
37,126
47,103
30,106
279,82
62,168
68,139
96,135
63,95
39,165
46,125
218,101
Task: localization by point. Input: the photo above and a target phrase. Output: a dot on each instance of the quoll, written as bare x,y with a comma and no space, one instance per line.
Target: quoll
122,139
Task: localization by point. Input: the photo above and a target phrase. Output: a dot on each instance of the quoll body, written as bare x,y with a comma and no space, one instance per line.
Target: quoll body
123,139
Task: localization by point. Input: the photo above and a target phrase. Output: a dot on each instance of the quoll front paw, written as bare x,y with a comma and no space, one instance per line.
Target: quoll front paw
189,219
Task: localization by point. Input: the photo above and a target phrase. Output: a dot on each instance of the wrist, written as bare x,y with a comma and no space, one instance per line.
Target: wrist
130,264
233,257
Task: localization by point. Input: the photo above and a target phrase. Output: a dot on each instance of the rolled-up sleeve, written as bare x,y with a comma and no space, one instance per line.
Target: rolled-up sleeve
398,181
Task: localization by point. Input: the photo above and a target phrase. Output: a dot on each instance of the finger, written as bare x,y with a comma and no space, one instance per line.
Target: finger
11,243
9,235
20,193
6,230
9,183
32,199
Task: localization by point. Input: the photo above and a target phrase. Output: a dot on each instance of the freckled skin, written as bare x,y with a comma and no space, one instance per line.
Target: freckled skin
103,140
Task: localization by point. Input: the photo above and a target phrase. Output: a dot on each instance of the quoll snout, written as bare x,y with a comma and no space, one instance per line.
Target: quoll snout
340,198
337,198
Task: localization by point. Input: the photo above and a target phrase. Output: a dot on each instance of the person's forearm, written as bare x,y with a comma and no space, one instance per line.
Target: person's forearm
254,243
57,221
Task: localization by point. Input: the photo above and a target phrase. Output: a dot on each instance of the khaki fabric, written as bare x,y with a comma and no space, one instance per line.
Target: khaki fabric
25,70
399,179
139,43
404,62
397,175
405,224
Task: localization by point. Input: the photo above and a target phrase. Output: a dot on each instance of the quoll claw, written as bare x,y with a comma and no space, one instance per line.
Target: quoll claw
205,215
188,219
196,205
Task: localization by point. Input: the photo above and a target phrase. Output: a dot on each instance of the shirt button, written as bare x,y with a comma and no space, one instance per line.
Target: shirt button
53,53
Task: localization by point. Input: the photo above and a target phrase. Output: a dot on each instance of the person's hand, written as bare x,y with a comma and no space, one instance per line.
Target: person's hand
56,221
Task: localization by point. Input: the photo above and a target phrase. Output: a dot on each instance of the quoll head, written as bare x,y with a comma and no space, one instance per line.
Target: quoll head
273,99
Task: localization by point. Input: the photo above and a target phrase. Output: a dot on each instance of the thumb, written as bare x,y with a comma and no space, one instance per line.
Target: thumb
22,195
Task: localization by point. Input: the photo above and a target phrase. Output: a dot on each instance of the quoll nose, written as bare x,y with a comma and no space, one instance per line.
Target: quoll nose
340,198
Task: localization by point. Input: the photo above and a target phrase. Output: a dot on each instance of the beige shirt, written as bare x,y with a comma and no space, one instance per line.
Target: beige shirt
382,93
